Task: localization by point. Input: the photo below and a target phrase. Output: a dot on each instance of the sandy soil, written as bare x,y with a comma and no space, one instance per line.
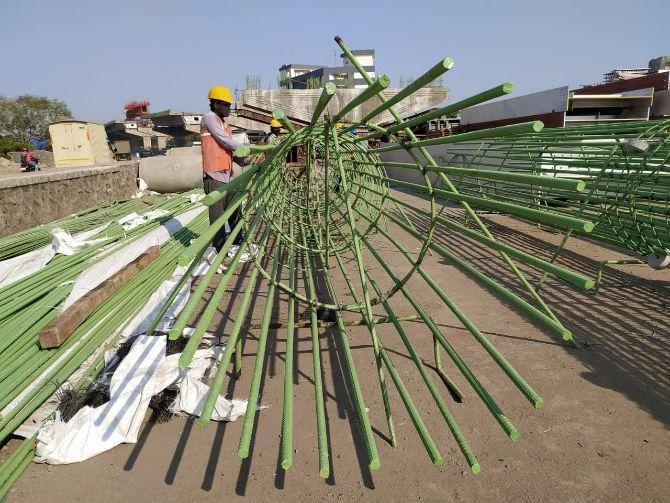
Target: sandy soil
602,435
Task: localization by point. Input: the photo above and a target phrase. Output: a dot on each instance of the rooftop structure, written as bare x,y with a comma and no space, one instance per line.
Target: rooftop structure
139,136
625,74
626,95
296,76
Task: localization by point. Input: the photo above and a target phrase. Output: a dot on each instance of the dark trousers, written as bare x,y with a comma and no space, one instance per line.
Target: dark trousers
217,209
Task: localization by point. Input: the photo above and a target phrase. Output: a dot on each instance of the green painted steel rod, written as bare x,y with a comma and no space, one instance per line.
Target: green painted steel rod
381,83
203,241
252,403
490,403
279,114
569,184
326,95
245,150
502,362
565,274
210,310
322,438
554,326
363,418
413,412
533,214
287,414
366,311
238,182
490,94
444,409
14,476
9,465
440,68
217,383
193,301
524,127
326,183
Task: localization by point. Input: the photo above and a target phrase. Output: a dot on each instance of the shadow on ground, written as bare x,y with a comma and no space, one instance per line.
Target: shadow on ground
625,327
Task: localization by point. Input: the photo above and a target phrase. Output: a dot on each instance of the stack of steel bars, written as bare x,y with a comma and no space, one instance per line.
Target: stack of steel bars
29,374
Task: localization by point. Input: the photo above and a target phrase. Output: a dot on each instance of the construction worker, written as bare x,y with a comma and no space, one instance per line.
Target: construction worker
275,129
218,147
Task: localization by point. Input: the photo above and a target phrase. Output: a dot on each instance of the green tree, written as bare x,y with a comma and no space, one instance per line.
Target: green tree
27,116
7,145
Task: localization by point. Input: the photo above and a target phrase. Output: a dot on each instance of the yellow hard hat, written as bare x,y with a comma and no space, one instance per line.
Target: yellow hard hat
339,125
275,123
221,93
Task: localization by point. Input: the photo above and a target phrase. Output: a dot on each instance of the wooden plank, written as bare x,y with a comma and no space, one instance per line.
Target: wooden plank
62,327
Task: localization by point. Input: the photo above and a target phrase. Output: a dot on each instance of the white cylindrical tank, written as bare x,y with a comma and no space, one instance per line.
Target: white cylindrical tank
175,172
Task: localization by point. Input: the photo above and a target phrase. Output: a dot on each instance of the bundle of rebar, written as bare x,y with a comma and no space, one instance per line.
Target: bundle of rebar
29,373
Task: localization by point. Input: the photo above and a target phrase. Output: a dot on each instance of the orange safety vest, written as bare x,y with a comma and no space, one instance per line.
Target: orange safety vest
214,156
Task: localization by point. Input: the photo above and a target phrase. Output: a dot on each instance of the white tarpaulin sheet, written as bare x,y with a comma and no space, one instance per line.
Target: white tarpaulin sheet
138,325
19,267
110,265
144,372
133,220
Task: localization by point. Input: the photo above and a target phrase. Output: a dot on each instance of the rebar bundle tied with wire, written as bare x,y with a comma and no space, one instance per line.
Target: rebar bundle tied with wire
315,230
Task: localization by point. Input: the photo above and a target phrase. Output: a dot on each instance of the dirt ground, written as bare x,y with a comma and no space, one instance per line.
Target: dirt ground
601,436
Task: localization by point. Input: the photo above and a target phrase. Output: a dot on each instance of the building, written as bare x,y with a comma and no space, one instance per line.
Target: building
625,95
289,72
141,139
661,64
299,104
295,76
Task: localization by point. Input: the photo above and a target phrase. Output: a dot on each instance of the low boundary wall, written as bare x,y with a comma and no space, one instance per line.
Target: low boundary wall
31,199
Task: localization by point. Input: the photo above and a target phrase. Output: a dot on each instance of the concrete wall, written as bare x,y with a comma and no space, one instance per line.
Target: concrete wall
298,104
32,199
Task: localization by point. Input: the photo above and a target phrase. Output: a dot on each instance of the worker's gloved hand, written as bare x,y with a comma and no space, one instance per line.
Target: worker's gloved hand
242,161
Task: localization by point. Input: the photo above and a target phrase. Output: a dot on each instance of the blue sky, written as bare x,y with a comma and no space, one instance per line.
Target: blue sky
98,55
